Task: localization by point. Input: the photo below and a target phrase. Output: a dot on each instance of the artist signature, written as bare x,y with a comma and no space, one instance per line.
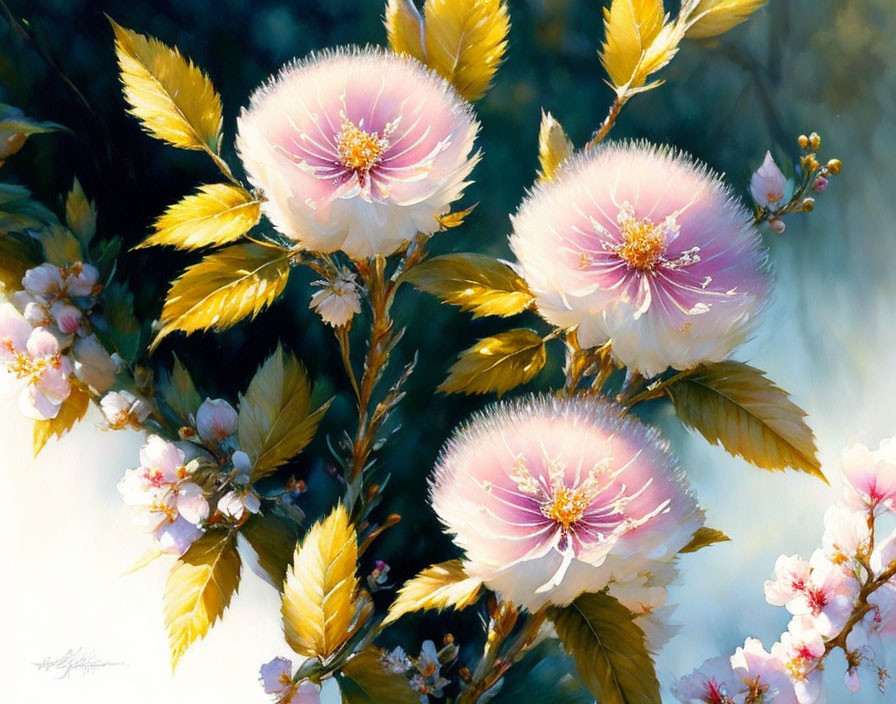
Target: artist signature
85,662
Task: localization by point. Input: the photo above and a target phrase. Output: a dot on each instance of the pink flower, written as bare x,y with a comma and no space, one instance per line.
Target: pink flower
645,247
763,677
551,498
769,186
177,536
32,365
234,504
215,420
871,475
191,503
67,317
357,149
713,682
847,536
791,577
644,592
78,280
276,678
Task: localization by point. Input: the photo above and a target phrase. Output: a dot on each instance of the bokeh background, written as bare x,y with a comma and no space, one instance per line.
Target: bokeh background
830,337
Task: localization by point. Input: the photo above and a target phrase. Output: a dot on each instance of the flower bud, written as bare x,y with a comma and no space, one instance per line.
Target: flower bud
93,365
777,225
834,166
768,184
215,420
803,141
820,184
814,141
808,205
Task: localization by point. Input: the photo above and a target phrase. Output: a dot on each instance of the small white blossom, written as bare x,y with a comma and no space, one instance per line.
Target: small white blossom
235,503
123,409
337,301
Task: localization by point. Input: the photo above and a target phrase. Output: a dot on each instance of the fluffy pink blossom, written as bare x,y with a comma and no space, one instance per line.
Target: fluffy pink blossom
769,186
551,498
33,365
643,246
847,536
123,409
52,282
357,149
800,649
870,475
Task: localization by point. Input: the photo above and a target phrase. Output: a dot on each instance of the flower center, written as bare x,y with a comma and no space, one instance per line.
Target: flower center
26,367
644,242
567,507
359,150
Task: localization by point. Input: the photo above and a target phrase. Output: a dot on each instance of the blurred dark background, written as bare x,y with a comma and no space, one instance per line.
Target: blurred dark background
798,66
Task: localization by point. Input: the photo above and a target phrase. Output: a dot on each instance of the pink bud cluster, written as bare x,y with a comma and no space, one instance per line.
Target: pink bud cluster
843,597
46,339
173,497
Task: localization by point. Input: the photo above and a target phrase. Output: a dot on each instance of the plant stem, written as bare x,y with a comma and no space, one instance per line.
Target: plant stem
608,122
491,667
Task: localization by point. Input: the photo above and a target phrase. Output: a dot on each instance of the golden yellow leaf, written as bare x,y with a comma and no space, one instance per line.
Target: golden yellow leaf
218,214
441,586
465,41
713,17
554,146
735,405
275,418
609,649
319,591
172,97
704,537
475,282
70,412
631,26
60,246
404,28
80,214
228,285
497,363
199,588
454,219
365,679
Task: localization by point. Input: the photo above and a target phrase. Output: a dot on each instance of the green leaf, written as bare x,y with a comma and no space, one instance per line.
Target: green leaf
735,405
80,214
609,649
199,589
544,674
474,282
227,286
180,393
14,120
365,679
497,363
70,412
18,212
17,255
274,538
275,418
124,329
703,538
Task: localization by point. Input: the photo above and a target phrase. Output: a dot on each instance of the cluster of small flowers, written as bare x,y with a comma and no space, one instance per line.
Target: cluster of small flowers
424,672
172,489
775,195
843,597
46,343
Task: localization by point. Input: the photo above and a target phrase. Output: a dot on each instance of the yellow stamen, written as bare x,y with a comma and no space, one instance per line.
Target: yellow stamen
644,243
568,506
359,150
